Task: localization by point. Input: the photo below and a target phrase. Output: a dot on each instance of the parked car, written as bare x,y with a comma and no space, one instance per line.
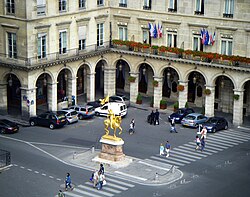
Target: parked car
70,114
7,126
214,124
49,119
94,104
119,109
120,98
84,112
193,120
180,114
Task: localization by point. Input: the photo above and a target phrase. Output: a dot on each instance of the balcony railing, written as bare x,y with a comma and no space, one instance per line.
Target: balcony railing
198,13
5,159
123,5
172,10
227,15
52,57
145,7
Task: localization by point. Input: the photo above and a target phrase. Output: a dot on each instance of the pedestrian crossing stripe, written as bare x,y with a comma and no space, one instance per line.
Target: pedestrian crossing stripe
189,152
121,183
91,189
238,135
167,160
224,141
198,153
104,188
207,150
218,143
232,137
182,157
228,139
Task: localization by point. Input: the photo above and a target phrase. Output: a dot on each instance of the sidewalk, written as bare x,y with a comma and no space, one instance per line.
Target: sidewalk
140,171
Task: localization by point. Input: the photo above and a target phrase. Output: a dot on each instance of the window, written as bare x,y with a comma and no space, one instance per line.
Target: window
62,5
147,5
41,45
229,9
172,39
82,4
199,7
226,46
41,7
145,35
172,6
10,6
82,37
123,33
123,3
100,2
63,42
12,49
197,44
100,34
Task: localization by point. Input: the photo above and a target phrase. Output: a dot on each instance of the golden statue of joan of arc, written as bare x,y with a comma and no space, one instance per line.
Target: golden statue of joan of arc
104,100
114,122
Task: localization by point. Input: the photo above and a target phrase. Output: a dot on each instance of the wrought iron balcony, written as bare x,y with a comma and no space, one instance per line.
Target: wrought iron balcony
172,10
145,7
123,5
225,15
198,13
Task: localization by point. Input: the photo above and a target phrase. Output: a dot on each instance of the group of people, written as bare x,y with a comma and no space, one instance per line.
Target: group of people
153,118
165,150
201,138
98,178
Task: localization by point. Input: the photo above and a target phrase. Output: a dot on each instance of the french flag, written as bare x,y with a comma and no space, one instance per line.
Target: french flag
155,31
159,31
151,29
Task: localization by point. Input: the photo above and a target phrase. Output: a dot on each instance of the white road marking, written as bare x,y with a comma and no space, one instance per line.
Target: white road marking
245,128
218,143
192,146
182,157
22,167
58,179
119,182
219,149
239,134
81,192
51,177
217,138
168,160
188,151
29,170
193,151
43,174
132,176
185,154
228,139
95,190
154,166
15,165
36,172
233,137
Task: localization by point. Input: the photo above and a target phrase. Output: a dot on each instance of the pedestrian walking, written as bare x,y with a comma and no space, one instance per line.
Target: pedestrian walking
204,133
101,178
101,170
68,182
60,194
157,116
152,117
132,126
198,142
202,144
95,178
161,149
173,129
167,148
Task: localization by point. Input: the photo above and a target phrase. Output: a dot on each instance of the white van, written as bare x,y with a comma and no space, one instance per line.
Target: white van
119,109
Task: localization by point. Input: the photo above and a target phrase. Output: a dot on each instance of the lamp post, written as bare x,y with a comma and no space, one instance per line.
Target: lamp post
10,81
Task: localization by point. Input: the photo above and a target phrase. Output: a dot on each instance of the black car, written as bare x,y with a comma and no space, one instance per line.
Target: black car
94,104
180,114
7,126
49,119
214,124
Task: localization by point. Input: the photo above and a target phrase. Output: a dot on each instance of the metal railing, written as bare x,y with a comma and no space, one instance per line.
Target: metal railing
52,57
5,159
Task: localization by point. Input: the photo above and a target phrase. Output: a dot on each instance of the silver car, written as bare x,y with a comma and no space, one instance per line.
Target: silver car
193,120
70,114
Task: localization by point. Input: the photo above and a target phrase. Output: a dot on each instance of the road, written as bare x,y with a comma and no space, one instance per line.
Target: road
222,170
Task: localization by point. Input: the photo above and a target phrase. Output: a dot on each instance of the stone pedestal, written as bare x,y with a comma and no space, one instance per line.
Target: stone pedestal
112,150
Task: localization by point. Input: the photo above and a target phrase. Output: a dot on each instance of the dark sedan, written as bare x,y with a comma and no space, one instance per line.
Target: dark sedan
180,114
7,126
214,124
49,119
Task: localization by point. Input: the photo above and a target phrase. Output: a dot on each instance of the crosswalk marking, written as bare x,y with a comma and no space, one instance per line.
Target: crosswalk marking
182,157
120,183
116,186
218,143
168,160
184,154
198,153
189,152
180,160
232,137
225,138
105,188
237,134
154,166
223,141
95,190
207,151
81,192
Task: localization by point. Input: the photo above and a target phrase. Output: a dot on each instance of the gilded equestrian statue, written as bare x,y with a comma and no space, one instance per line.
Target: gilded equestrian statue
113,122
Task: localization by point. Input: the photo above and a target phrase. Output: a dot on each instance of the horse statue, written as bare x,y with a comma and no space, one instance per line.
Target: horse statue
116,123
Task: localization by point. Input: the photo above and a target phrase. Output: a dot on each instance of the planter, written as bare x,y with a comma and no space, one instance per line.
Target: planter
138,101
180,88
155,83
131,79
207,92
163,106
170,54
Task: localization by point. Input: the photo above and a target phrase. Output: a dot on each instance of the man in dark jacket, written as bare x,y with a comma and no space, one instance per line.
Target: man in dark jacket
152,117
157,114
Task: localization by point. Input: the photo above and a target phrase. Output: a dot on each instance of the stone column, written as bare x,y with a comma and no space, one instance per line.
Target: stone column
238,108
134,87
183,94
28,102
209,102
3,98
71,89
158,92
109,81
90,86
52,96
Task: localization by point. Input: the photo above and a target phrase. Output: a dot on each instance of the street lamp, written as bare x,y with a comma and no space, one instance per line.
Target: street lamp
10,81
222,82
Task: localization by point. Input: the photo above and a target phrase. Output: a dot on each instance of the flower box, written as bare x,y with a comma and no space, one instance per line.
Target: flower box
139,99
180,88
131,79
155,83
207,91
163,104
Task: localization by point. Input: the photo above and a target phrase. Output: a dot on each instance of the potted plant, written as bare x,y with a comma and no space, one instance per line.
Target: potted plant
145,47
155,83
207,91
139,99
186,105
236,97
131,79
163,104
180,88
155,49
176,106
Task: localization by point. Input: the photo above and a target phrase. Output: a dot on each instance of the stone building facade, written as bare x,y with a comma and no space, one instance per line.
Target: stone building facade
52,49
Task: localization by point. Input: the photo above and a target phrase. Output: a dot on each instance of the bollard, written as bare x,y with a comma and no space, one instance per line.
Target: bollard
173,169
74,155
93,149
156,177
